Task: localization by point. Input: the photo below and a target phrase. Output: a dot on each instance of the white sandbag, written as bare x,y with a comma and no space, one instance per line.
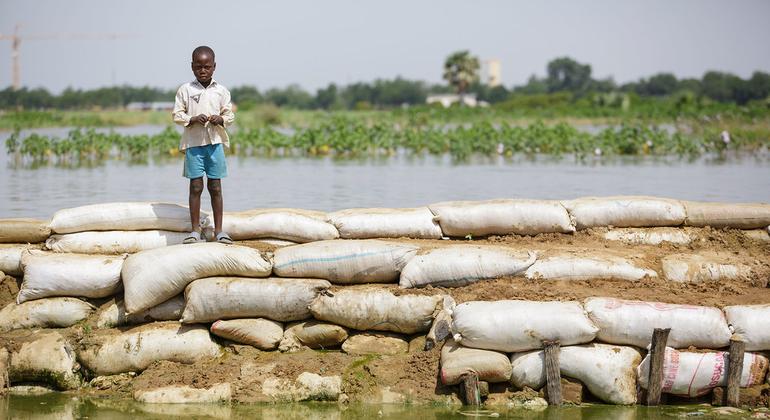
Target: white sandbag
752,324
761,235
261,333
460,265
692,374
278,299
375,343
373,309
457,361
386,223
115,315
22,231
625,211
345,262
312,334
502,217
732,215
278,243
690,268
10,259
574,267
632,322
289,224
114,242
48,358
123,216
608,371
57,312
183,394
156,275
519,325
648,236
108,352
51,274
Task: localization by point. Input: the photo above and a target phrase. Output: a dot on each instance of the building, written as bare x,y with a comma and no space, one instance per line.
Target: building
492,72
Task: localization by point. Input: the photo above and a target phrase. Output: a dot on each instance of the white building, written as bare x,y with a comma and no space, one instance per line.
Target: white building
447,99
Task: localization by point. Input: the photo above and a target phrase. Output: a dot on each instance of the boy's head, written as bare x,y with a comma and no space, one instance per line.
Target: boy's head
203,64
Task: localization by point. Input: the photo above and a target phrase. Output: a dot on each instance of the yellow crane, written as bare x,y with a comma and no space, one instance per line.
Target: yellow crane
16,39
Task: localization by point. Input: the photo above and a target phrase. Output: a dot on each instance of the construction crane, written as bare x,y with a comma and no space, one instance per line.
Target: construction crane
16,39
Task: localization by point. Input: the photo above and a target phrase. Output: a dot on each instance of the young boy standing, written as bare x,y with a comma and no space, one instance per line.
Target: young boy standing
203,107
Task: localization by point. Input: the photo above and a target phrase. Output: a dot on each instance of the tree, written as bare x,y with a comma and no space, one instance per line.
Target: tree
660,84
461,69
566,74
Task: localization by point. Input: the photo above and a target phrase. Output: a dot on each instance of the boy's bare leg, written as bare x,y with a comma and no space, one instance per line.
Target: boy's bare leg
215,191
196,188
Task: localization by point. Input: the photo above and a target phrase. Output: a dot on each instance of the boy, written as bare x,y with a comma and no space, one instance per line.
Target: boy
203,107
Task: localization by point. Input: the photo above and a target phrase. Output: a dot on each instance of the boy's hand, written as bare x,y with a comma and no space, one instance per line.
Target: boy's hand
200,119
216,120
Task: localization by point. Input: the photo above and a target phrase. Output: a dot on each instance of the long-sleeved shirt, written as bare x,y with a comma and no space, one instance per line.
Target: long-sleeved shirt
193,99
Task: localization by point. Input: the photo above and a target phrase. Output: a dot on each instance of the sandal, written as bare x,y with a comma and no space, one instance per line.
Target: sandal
224,238
192,238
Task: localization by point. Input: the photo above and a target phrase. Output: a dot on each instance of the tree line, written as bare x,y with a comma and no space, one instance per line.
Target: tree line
563,75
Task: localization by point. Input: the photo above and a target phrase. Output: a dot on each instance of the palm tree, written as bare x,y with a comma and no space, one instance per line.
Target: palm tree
461,69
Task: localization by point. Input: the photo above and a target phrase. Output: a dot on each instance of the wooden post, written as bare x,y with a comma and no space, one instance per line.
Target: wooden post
552,374
469,389
734,372
657,354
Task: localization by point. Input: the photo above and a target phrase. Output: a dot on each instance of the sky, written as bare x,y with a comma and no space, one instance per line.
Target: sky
314,42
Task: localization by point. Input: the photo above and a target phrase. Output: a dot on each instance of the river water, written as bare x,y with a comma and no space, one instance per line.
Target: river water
400,181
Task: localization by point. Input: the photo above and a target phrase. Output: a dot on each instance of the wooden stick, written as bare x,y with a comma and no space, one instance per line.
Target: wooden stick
552,375
734,372
469,389
657,354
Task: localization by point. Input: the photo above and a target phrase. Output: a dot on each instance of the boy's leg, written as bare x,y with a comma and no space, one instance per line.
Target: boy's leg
196,188
215,190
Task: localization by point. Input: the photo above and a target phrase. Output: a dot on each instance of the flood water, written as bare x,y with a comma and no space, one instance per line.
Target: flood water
399,181
63,406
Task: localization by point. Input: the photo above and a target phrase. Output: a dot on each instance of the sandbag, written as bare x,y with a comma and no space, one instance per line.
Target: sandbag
373,309
519,325
22,231
574,267
386,223
114,242
278,299
261,333
632,322
48,358
375,343
51,274
732,215
690,268
124,216
344,262
460,265
608,371
156,275
10,259
760,235
289,224
691,374
115,315
625,211
457,361
183,394
57,312
751,323
501,217
312,334
108,352
648,236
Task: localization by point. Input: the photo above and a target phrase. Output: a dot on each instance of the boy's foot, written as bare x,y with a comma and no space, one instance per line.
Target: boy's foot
192,238
224,238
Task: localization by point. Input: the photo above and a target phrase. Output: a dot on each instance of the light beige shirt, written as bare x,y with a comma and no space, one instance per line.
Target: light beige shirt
193,99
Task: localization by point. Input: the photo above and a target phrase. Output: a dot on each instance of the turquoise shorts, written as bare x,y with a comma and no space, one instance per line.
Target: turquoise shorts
208,159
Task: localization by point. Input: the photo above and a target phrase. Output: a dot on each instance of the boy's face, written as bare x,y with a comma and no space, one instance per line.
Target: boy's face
203,67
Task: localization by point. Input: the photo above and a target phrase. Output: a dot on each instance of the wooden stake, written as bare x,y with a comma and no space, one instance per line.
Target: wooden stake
657,354
469,389
552,374
734,372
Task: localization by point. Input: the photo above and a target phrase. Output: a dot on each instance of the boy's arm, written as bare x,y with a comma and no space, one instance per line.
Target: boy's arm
180,108
226,111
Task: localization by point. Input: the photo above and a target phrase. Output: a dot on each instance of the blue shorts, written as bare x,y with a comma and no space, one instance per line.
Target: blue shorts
208,159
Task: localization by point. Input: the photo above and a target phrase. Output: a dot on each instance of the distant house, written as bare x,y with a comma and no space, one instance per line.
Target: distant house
447,99
150,106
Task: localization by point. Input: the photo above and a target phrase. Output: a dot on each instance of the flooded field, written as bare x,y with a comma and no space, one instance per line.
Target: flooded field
403,180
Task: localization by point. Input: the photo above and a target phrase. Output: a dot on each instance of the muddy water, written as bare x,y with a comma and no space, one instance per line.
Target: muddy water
400,181
60,406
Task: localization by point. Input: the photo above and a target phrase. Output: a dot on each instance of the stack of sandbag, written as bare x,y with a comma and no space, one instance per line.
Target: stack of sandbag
293,225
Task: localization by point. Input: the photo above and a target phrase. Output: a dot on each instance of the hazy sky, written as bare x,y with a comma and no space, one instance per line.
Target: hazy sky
313,42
